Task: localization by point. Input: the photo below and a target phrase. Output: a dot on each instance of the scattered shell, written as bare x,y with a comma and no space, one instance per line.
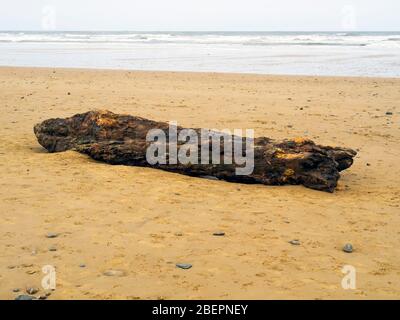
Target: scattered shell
295,242
51,235
114,273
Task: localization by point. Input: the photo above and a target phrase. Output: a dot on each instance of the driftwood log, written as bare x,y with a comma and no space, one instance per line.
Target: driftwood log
121,139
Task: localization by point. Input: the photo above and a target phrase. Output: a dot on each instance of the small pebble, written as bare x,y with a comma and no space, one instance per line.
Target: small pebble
114,273
389,113
25,297
294,242
348,248
179,234
82,265
219,234
51,235
184,266
16,290
31,272
32,290
52,248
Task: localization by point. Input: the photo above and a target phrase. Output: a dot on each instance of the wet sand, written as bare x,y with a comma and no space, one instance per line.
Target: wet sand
143,221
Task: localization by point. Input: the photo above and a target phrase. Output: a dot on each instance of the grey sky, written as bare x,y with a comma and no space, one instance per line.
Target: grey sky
196,15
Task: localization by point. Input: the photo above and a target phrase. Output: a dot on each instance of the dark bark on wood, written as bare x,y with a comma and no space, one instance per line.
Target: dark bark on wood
121,139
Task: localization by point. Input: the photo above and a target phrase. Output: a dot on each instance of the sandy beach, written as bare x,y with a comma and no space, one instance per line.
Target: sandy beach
142,221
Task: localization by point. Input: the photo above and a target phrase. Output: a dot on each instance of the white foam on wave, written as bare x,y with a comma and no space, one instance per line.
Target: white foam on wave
217,38
340,53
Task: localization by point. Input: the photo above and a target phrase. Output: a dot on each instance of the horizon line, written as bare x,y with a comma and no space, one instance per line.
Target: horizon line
122,30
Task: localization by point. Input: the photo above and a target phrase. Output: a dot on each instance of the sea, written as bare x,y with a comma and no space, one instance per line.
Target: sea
373,54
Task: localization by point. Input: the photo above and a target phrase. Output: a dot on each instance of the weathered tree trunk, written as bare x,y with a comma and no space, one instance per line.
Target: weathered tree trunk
121,139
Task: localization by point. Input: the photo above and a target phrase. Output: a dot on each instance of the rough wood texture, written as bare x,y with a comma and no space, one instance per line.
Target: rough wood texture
121,139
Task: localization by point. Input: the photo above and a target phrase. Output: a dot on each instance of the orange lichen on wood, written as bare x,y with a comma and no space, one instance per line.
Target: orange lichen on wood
301,140
289,156
106,122
288,172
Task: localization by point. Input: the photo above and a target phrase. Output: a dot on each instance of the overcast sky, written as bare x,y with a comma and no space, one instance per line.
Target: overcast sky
198,15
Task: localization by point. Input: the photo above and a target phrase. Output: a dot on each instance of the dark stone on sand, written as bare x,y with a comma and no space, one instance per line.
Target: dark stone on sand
184,266
121,140
82,265
16,290
219,234
348,248
32,290
52,248
389,113
25,297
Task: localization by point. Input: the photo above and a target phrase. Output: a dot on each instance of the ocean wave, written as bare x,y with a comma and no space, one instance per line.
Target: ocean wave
216,38
307,44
